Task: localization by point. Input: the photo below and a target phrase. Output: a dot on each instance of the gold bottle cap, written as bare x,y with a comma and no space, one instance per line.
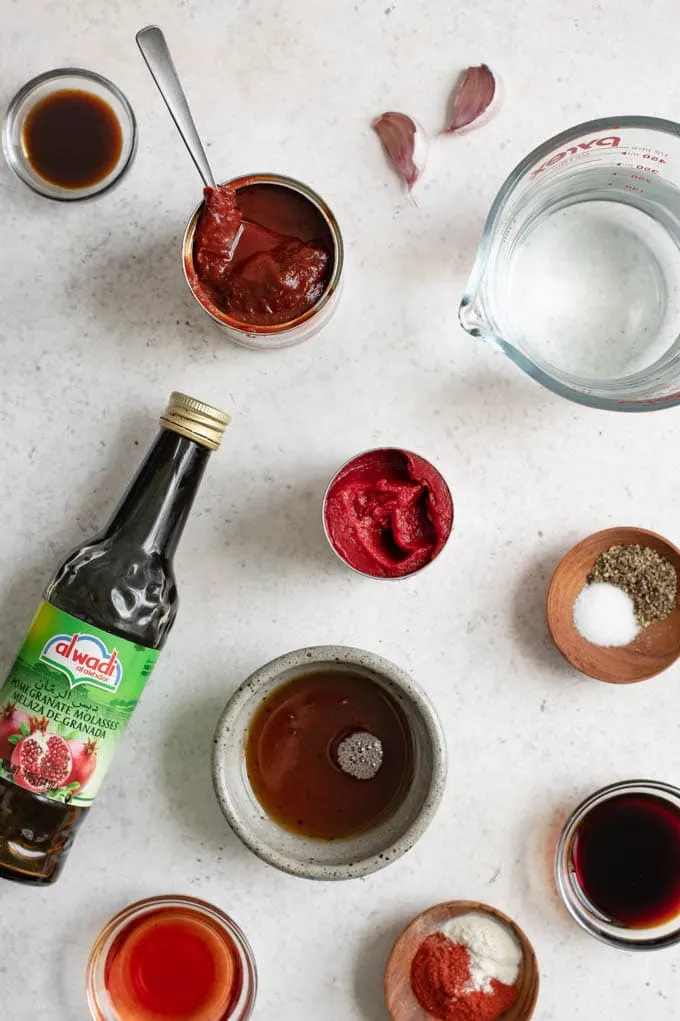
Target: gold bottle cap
198,421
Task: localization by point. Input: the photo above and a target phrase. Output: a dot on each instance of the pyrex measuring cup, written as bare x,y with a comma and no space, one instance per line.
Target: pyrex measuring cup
577,277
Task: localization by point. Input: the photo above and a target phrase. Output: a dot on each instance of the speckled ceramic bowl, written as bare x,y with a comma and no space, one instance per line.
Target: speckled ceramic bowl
335,859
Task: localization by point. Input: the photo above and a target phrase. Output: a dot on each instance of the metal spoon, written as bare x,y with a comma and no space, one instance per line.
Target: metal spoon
154,49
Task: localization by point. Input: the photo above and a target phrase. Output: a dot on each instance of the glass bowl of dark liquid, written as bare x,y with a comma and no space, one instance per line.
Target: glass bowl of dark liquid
69,134
617,865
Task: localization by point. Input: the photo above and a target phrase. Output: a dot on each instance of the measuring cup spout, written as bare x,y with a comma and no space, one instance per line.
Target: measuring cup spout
471,317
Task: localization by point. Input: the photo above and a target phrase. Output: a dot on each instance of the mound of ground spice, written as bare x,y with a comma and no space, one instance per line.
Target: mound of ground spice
456,973
647,577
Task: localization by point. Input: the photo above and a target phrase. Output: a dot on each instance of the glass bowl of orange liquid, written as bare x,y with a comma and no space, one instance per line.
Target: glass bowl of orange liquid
171,957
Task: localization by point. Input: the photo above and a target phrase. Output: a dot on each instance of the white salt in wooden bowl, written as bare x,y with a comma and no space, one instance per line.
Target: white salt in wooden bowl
654,649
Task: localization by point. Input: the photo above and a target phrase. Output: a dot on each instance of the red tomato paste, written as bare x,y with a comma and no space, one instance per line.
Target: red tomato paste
260,253
388,513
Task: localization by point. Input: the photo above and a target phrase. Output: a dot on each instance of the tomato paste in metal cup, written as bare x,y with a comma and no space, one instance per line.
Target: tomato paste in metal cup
388,513
263,256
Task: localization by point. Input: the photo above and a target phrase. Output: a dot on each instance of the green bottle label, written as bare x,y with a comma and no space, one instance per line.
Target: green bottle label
65,705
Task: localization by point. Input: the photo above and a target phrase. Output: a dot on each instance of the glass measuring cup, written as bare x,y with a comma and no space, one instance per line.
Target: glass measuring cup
577,277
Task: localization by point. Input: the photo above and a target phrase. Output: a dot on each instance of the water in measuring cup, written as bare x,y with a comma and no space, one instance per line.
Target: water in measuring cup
593,284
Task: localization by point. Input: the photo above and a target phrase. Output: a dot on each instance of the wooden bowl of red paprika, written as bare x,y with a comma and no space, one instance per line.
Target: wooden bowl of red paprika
432,973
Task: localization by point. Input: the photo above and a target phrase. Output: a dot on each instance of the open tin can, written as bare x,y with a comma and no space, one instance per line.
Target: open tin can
273,337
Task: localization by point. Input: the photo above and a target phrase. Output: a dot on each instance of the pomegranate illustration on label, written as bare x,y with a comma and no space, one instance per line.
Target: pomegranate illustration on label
84,758
41,762
11,719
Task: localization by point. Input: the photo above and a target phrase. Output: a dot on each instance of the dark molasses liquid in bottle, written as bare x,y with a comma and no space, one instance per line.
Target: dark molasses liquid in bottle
91,648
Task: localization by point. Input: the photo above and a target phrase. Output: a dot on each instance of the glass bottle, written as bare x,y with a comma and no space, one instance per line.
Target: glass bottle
91,647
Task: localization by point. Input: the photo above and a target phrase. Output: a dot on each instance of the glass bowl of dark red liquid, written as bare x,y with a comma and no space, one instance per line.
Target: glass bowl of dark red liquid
617,865
171,957
69,134
276,210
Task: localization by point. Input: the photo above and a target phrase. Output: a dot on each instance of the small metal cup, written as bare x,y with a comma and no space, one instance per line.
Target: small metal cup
267,338
343,468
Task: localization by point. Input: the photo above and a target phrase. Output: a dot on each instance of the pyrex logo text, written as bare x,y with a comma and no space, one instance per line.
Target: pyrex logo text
84,659
609,141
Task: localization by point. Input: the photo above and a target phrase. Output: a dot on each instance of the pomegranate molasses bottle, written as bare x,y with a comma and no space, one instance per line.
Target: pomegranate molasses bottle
91,647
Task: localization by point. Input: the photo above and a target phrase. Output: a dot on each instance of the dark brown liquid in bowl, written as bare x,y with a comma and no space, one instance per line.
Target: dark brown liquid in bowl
290,754
72,138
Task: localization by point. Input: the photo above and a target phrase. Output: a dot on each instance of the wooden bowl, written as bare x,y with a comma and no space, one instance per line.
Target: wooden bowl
654,649
401,1002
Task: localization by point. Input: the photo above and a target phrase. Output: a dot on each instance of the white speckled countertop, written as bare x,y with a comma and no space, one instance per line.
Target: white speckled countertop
97,327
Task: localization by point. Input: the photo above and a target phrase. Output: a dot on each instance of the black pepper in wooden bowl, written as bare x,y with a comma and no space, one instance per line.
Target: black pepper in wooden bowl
644,574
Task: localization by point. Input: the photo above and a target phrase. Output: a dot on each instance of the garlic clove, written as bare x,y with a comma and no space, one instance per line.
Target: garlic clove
472,96
405,143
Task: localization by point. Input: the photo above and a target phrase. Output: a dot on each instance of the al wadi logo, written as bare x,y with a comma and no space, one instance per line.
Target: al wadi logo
85,660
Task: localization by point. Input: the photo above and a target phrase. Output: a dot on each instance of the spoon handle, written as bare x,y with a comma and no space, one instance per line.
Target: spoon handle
154,49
